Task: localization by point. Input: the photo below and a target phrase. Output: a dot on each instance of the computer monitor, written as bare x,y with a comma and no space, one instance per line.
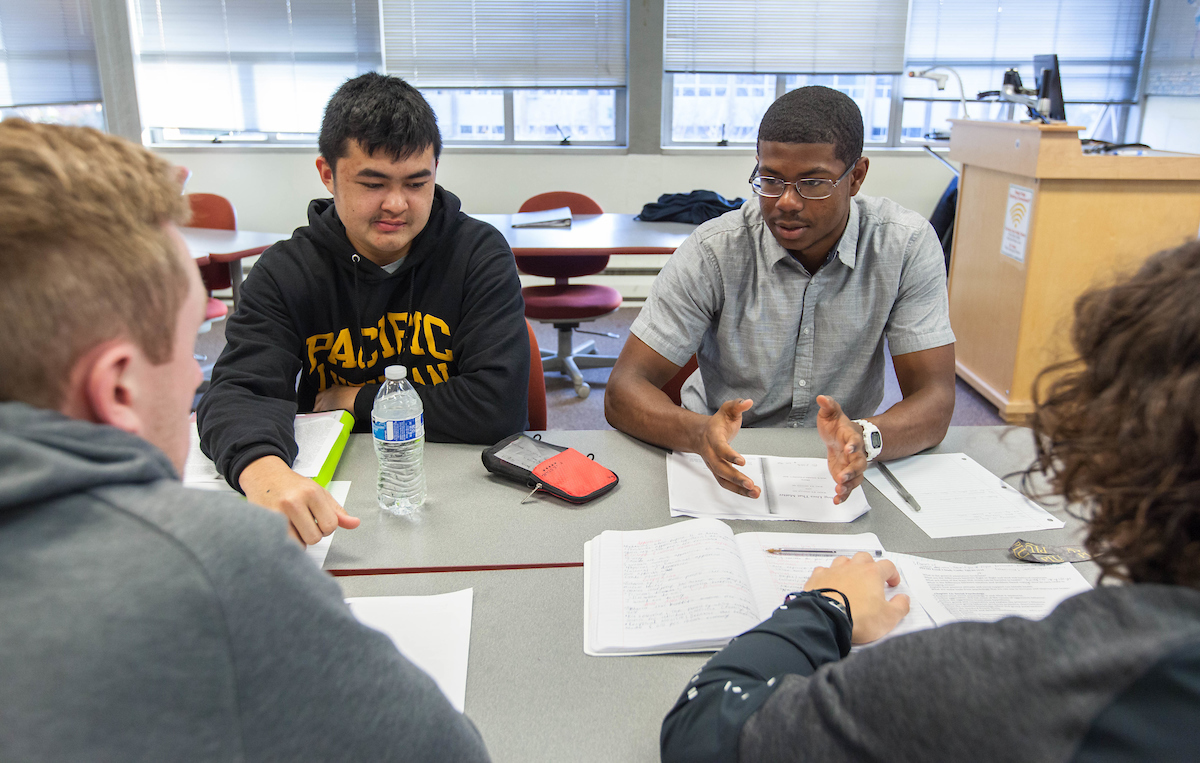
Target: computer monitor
1049,84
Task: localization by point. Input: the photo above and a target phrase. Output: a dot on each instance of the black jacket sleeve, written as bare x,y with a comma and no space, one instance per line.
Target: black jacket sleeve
806,632
489,398
249,410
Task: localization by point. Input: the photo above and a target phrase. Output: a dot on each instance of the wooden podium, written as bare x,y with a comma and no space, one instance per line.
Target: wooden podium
1038,224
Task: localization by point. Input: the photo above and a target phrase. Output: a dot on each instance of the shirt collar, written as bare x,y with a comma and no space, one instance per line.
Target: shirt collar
846,248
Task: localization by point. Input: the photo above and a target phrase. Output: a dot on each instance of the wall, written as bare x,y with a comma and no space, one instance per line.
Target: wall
271,188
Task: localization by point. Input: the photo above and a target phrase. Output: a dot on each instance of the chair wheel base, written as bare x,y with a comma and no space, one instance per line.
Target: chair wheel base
583,390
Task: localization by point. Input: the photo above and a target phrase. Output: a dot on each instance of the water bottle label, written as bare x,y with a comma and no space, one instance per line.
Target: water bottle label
399,430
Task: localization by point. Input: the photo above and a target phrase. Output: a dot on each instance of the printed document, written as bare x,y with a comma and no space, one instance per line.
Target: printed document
433,632
959,497
792,488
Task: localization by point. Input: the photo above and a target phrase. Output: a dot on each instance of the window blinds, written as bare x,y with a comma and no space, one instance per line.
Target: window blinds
492,43
47,55
1098,43
1174,65
785,36
266,65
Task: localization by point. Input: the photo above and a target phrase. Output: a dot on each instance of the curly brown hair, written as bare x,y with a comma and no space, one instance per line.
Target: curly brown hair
1118,427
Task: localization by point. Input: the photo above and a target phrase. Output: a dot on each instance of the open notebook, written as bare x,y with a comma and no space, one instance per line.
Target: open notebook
321,438
693,586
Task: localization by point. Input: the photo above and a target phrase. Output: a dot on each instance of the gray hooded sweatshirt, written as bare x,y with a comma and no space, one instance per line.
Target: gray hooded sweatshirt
140,620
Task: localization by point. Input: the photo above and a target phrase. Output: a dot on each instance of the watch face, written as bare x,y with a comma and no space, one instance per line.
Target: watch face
876,440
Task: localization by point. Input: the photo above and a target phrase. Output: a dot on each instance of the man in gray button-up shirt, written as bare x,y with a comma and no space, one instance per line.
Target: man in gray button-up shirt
786,304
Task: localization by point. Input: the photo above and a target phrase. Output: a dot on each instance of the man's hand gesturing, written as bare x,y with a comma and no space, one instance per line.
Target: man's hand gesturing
844,447
719,455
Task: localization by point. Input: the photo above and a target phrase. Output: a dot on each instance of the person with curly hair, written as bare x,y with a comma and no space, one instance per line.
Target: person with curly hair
1111,674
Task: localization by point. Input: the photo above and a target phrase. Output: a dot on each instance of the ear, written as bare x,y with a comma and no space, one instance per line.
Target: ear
858,175
325,169
104,387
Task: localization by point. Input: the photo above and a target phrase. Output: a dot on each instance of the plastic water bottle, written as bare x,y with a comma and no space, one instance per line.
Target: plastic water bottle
398,423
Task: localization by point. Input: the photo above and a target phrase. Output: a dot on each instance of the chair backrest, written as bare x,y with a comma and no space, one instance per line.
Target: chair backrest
537,384
674,387
212,211
562,266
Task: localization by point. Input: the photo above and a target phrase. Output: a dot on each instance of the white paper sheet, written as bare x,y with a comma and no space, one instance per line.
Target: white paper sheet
433,632
988,592
315,435
317,552
792,488
958,497
775,575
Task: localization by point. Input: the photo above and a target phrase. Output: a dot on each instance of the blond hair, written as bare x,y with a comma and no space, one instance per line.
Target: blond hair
84,254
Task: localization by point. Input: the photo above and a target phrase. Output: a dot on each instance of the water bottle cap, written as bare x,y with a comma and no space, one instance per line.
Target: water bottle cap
395,373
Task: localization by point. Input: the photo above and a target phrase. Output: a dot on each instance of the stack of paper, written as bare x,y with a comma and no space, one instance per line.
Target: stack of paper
321,438
792,488
693,586
959,497
549,218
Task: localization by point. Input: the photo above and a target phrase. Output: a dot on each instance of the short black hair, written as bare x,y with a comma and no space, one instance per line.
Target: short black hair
816,114
380,112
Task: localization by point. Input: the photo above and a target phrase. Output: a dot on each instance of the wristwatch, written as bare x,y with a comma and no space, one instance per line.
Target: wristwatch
872,439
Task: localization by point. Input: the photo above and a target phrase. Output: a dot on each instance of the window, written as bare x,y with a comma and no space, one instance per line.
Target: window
537,72
1098,43
48,70
254,70
725,65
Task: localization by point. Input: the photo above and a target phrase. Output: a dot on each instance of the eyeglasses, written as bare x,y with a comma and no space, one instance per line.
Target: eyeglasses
809,188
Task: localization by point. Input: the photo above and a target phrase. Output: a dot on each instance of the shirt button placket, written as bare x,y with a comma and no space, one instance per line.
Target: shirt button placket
802,372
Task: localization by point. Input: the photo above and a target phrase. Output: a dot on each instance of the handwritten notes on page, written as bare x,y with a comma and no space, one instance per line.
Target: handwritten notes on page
792,488
433,632
987,592
676,588
959,497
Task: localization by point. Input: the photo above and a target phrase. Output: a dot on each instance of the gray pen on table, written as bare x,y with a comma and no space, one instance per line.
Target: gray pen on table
907,496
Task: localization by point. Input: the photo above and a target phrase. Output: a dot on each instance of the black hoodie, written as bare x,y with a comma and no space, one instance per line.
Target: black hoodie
452,313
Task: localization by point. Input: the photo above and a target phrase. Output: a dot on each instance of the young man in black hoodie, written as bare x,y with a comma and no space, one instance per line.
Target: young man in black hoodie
388,272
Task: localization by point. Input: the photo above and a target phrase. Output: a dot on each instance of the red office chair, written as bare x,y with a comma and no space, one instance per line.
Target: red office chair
537,385
212,211
566,305
674,388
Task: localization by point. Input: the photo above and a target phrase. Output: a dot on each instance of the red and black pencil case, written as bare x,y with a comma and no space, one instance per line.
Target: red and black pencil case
562,472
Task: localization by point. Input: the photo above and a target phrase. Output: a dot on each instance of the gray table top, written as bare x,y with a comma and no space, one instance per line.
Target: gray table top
531,690
474,518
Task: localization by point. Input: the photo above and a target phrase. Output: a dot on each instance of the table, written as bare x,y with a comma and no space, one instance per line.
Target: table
474,520
228,246
533,693
531,690
605,234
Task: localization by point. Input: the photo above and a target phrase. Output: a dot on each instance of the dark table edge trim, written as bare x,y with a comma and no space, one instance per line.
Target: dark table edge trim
453,568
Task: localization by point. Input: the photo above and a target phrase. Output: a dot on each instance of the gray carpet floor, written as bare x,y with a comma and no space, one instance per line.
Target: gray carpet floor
567,411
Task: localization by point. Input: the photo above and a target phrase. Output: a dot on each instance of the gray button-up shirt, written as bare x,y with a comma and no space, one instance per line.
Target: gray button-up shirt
762,328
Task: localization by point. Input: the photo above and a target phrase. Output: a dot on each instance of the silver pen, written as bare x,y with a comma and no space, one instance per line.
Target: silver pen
907,496
875,552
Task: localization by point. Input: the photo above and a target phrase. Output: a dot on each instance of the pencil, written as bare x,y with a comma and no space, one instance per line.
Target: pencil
907,496
876,552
